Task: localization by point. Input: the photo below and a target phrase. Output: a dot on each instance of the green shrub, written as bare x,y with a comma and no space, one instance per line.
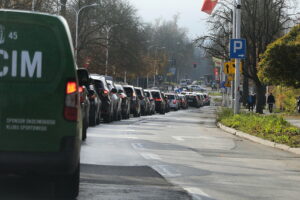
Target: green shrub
272,127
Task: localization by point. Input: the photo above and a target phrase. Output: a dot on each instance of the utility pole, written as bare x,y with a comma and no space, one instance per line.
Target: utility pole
237,61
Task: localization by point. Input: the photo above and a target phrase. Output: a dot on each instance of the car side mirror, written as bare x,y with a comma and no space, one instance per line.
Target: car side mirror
83,76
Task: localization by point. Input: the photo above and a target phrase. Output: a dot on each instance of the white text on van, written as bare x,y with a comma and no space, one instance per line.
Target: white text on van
28,66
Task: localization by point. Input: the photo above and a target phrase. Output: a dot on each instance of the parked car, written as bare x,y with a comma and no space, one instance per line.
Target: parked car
201,97
125,105
103,91
135,106
193,100
165,98
206,99
173,101
145,104
41,122
116,99
183,101
84,99
160,104
95,106
152,102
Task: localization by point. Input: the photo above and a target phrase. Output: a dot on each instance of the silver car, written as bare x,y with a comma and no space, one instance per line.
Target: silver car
173,101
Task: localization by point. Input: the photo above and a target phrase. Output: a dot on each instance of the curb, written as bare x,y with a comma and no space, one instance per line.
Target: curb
259,140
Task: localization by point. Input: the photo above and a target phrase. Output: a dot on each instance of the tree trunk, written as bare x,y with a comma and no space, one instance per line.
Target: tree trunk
260,97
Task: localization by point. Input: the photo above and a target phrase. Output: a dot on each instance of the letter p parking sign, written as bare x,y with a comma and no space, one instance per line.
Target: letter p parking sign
237,48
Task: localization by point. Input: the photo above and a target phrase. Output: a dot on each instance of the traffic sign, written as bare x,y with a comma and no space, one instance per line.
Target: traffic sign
228,68
230,77
237,48
227,84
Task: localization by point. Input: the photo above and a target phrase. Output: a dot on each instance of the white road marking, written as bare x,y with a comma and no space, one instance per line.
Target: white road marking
111,136
163,170
138,146
150,156
197,193
182,138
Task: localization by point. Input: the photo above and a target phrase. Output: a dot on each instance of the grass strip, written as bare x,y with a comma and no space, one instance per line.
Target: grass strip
270,127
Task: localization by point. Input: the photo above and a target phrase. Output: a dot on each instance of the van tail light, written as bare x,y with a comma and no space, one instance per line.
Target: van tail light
174,101
71,101
158,99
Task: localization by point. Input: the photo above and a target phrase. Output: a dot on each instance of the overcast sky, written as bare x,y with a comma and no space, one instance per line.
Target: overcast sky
191,16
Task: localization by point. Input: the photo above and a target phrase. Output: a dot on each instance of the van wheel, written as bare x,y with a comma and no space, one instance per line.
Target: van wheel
67,186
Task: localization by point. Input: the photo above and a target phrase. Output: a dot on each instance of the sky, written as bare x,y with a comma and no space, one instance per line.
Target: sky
190,14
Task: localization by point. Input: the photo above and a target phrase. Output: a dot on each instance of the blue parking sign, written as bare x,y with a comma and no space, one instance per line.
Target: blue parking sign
237,48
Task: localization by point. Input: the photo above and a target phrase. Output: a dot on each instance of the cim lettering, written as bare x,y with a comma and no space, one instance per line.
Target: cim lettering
28,67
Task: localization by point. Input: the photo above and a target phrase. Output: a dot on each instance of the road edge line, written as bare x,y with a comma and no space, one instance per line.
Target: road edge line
258,140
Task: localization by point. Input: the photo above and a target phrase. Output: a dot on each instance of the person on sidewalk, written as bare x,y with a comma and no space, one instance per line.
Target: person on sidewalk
251,101
270,102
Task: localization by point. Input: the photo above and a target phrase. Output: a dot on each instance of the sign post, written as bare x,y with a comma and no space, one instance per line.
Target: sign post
238,51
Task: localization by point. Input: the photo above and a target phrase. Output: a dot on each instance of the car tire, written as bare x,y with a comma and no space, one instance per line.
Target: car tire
92,121
84,130
67,186
98,118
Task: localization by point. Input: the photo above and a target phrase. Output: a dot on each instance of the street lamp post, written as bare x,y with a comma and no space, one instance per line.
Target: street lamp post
76,28
32,5
154,67
77,12
107,29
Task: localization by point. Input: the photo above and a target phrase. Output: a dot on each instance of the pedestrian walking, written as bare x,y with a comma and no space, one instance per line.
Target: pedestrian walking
251,101
270,102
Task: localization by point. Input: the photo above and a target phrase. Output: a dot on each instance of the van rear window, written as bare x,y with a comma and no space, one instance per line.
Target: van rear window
31,51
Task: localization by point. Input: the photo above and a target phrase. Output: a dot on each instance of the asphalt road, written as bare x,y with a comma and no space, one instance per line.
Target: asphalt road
157,157
178,156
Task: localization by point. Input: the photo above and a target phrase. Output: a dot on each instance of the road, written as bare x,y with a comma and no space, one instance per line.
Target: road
180,155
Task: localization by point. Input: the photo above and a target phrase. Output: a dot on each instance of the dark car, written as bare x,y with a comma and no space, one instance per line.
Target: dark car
152,102
95,106
144,101
160,104
193,100
84,99
125,106
135,106
117,101
104,93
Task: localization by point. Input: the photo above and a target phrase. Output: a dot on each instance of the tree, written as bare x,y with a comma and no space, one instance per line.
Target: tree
262,22
280,63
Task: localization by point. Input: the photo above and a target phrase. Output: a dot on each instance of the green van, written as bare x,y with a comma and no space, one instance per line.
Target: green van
40,122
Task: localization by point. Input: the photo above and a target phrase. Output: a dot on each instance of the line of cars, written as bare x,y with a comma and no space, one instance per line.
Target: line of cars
102,99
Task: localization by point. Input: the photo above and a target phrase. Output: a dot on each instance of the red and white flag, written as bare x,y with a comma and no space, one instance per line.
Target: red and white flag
208,6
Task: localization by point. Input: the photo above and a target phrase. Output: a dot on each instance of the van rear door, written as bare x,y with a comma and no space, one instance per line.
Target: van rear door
36,65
